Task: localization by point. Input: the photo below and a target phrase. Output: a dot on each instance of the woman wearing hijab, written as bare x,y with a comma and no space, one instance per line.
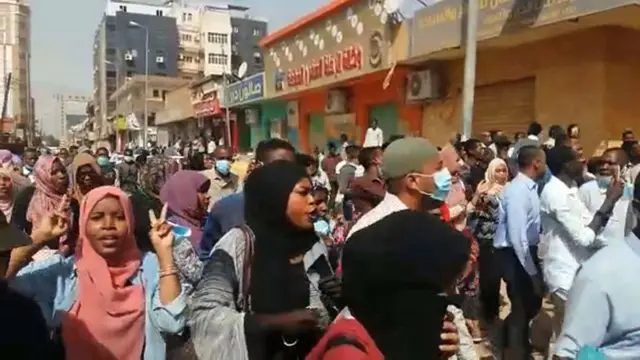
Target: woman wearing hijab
258,297
395,274
11,183
34,202
186,194
146,197
86,175
110,300
6,158
486,212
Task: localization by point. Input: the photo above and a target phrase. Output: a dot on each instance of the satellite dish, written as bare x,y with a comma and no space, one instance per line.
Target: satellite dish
391,6
242,70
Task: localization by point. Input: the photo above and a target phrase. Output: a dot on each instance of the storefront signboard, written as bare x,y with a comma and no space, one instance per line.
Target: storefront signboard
244,92
352,42
441,26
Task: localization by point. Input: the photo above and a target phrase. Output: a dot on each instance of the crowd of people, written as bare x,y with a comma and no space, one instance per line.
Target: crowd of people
396,250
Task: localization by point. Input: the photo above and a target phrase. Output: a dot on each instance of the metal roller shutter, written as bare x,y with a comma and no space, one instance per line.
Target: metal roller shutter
507,106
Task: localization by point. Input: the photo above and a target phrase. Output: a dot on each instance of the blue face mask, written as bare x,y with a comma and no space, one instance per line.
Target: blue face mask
223,166
103,160
628,191
442,181
322,228
603,181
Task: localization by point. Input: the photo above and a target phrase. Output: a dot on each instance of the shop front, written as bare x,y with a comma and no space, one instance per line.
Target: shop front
210,117
243,100
333,71
173,121
555,62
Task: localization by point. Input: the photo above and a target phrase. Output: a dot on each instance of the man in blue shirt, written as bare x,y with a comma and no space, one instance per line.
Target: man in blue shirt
517,256
228,212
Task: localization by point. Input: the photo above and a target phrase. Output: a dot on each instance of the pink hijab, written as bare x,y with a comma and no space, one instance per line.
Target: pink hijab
45,198
107,320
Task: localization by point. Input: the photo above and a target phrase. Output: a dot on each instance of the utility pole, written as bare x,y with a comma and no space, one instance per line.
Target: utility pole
469,67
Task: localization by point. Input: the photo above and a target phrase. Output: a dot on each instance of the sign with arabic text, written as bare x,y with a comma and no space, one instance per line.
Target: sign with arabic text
246,91
440,26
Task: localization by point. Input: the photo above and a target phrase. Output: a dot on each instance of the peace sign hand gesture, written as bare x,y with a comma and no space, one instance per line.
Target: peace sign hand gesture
161,233
54,224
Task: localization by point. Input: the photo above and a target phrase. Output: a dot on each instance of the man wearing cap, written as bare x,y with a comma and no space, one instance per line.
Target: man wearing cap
24,333
416,179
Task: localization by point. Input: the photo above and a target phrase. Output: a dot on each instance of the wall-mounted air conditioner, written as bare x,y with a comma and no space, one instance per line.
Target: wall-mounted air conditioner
128,56
160,59
423,85
337,102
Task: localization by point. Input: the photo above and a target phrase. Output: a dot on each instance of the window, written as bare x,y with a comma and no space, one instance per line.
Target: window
111,51
111,74
257,32
184,17
123,8
111,27
234,48
217,38
187,37
129,74
217,59
235,29
156,93
164,95
188,59
189,17
257,58
159,12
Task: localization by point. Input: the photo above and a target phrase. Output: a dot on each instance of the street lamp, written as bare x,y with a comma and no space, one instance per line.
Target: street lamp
146,79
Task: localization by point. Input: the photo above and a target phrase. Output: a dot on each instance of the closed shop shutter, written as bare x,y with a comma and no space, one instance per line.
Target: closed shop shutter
506,106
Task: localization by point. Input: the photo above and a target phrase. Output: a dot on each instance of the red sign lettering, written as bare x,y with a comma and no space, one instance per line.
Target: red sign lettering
348,59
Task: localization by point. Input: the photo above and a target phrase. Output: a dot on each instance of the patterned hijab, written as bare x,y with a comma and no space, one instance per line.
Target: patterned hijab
17,184
46,197
82,159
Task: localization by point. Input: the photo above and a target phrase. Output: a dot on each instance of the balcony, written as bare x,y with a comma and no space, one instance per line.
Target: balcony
190,67
191,47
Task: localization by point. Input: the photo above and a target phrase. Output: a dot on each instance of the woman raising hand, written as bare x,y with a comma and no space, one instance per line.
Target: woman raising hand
109,301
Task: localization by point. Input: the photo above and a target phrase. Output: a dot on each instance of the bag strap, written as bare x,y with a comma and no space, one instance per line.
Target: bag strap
342,340
249,239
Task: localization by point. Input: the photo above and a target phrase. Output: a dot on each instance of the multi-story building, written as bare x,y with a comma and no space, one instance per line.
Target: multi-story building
216,39
246,33
15,34
126,31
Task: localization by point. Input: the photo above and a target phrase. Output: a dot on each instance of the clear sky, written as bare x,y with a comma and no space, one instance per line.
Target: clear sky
62,44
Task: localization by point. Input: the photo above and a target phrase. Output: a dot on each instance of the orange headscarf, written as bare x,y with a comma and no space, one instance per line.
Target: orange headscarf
107,320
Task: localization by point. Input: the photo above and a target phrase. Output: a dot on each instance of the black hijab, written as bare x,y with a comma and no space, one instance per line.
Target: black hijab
394,275
277,286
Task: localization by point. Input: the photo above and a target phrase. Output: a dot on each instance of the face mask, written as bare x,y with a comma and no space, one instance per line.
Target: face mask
128,158
103,160
603,181
322,228
628,191
223,166
442,182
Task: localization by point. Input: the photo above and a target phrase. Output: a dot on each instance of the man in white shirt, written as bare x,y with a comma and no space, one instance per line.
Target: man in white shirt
593,194
410,167
374,136
569,229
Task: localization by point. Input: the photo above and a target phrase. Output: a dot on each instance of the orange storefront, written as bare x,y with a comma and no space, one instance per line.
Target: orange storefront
329,67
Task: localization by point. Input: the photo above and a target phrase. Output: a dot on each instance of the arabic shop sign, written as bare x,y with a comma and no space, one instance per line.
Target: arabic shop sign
248,90
440,26
349,59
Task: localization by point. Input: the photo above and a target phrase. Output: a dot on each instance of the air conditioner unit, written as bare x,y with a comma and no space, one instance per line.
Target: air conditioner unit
337,102
160,59
423,85
181,57
128,56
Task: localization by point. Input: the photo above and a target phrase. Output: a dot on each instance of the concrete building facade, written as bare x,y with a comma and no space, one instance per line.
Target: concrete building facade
119,51
15,53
